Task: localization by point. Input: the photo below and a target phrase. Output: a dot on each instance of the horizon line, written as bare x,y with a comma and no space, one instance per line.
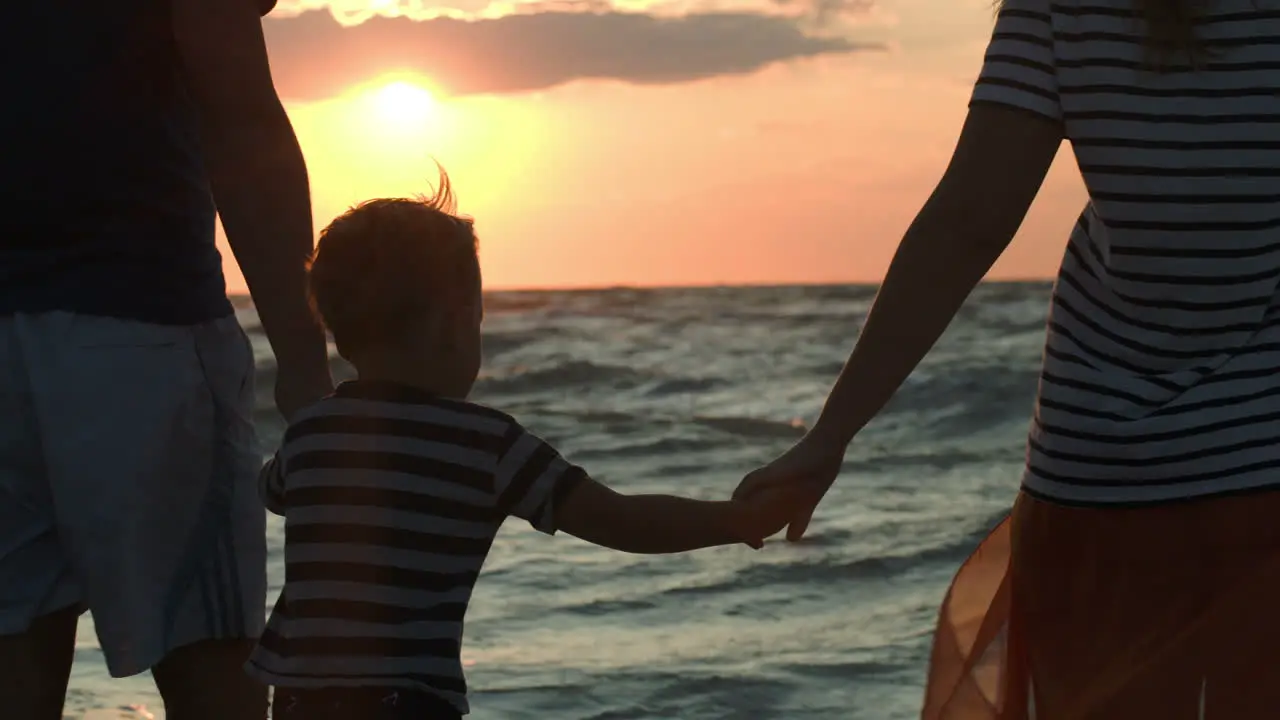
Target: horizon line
706,286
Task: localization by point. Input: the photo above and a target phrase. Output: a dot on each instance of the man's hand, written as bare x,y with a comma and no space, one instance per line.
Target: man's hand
296,390
796,481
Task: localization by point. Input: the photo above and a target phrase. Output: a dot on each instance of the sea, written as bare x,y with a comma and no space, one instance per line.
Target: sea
684,391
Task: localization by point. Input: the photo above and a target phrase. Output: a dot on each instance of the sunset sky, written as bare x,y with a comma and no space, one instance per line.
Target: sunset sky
650,143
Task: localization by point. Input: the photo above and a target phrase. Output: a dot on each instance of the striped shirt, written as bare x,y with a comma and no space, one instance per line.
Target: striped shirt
392,498
1160,377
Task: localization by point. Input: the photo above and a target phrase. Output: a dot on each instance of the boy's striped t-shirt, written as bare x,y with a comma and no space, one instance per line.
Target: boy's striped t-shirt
392,498
1161,375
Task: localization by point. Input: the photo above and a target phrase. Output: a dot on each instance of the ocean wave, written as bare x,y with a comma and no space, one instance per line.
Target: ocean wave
833,568
683,386
517,301
1008,292
650,448
608,607
574,373
678,392
973,386
881,458
753,427
802,570
842,670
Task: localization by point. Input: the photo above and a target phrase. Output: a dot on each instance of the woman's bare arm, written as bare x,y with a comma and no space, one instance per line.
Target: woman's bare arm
998,166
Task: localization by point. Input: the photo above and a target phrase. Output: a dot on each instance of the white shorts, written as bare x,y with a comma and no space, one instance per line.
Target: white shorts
127,482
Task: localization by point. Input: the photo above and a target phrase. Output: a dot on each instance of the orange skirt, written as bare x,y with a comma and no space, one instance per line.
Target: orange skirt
1169,612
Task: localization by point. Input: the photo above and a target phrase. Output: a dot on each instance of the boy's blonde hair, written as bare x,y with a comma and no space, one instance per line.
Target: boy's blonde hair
389,262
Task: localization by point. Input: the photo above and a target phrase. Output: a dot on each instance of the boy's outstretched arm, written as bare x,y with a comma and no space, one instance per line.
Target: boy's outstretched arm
535,483
657,524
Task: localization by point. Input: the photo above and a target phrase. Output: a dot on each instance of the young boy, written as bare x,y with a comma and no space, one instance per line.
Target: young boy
394,487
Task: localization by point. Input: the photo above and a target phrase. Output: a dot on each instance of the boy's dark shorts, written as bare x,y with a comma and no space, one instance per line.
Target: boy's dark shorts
366,703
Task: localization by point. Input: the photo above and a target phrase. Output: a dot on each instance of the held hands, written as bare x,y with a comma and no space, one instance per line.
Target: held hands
800,477
764,513
297,387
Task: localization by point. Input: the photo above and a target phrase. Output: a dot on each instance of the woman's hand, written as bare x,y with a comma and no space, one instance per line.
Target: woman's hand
809,467
763,512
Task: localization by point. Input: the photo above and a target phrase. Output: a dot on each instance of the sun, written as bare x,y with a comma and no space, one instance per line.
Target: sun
404,103
397,115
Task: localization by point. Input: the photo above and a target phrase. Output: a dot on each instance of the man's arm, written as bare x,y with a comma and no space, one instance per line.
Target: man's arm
259,181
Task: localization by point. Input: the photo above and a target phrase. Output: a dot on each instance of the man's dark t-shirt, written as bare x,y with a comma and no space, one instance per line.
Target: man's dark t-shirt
105,206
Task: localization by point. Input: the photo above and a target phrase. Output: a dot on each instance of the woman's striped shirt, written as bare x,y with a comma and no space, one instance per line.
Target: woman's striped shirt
1161,376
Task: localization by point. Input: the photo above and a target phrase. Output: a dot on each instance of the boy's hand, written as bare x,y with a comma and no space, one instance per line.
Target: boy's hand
765,513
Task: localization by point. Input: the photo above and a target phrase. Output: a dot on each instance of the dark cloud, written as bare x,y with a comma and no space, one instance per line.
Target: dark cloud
314,57
822,12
